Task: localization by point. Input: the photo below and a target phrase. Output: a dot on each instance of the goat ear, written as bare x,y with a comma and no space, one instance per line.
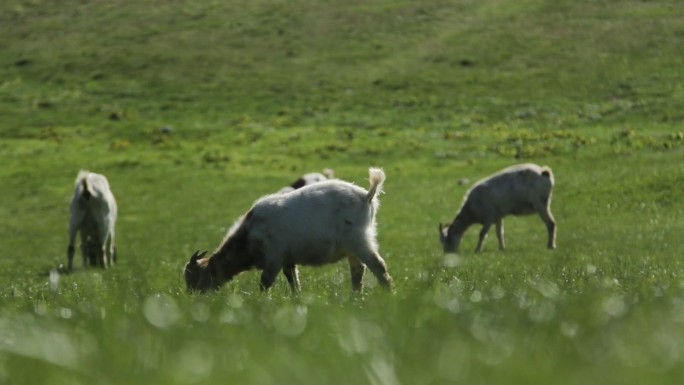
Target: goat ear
200,255
194,255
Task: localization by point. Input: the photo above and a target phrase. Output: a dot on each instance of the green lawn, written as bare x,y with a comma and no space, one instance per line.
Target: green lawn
252,94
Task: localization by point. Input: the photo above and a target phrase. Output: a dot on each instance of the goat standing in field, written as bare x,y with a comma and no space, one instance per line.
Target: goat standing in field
517,190
93,215
314,225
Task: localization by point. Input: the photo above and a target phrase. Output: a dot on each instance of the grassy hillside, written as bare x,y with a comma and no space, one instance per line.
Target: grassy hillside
195,109
354,65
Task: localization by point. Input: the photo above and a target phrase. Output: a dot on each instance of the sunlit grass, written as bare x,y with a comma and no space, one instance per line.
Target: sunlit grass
609,297
194,110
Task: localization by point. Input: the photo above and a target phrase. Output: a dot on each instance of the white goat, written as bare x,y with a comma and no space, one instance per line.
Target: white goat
521,189
93,214
315,225
308,179
312,177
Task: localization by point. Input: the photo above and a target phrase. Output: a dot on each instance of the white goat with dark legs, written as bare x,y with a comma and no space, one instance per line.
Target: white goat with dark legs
93,215
314,225
517,190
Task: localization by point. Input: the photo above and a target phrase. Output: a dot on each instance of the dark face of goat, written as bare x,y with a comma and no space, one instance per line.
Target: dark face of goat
449,245
198,273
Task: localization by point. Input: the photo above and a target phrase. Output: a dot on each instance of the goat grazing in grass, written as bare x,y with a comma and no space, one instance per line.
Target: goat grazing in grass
93,214
313,177
315,225
307,179
517,190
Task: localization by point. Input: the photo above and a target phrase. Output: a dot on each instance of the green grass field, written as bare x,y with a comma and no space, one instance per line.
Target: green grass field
255,93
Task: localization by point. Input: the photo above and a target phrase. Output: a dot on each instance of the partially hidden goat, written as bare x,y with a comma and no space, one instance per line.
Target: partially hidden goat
93,214
307,179
521,189
313,177
315,225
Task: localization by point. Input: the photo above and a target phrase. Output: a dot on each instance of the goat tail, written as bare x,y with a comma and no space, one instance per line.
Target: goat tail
86,188
377,178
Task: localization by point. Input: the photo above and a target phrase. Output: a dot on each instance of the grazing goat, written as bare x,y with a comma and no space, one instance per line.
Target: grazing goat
517,190
312,177
93,214
315,225
308,179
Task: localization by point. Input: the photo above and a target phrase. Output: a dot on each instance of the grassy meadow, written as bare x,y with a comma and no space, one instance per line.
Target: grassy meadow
194,109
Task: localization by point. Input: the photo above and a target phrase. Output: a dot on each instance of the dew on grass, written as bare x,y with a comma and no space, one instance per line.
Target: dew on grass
453,305
200,312
160,310
290,321
40,308
667,351
54,347
542,311
338,279
451,260
235,316
229,317
424,276
495,351
65,312
54,280
636,347
497,292
478,328
453,360
447,301
359,337
548,289
678,310
569,329
447,297
614,306
591,269
149,351
523,301
610,283
194,363
629,354
235,301
307,298
24,337
380,371
495,345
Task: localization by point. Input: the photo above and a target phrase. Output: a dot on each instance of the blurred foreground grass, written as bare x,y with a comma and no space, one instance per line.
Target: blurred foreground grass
195,109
